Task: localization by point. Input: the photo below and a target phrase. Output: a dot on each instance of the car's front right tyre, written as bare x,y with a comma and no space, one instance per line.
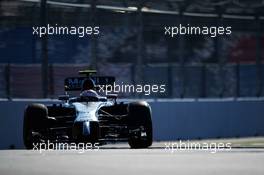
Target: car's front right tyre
35,117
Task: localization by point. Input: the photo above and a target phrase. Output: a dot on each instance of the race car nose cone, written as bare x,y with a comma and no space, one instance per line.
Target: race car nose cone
87,131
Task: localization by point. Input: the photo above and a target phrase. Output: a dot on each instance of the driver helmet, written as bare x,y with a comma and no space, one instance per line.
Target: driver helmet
88,84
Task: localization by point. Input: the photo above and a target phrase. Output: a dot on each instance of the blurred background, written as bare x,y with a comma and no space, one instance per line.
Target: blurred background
132,46
214,86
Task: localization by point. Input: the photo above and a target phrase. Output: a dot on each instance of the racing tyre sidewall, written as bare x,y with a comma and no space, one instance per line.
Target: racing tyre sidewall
139,114
35,116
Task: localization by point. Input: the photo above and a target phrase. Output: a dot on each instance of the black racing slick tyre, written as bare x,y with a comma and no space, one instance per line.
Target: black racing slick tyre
140,125
35,117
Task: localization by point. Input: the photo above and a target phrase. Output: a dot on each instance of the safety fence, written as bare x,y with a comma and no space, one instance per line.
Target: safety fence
188,81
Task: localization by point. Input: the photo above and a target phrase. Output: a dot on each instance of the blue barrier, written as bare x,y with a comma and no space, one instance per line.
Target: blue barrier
172,119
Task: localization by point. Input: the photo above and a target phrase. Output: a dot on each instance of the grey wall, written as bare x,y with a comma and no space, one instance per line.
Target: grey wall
174,119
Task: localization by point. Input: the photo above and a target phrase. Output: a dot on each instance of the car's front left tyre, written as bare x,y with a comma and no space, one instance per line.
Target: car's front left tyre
140,125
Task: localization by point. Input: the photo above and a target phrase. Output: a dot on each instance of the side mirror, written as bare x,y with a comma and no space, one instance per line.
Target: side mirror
112,96
64,97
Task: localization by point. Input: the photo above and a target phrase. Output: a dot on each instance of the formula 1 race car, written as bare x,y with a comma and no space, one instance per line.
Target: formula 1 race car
89,118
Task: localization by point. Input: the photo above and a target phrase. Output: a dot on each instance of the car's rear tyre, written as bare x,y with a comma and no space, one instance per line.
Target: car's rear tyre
34,121
139,114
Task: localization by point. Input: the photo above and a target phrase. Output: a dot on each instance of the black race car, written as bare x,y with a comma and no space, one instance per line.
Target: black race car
88,119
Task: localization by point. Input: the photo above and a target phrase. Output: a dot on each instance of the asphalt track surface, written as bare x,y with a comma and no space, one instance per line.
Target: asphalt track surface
116,159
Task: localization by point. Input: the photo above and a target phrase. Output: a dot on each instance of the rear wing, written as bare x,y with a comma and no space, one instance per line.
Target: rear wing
75,83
